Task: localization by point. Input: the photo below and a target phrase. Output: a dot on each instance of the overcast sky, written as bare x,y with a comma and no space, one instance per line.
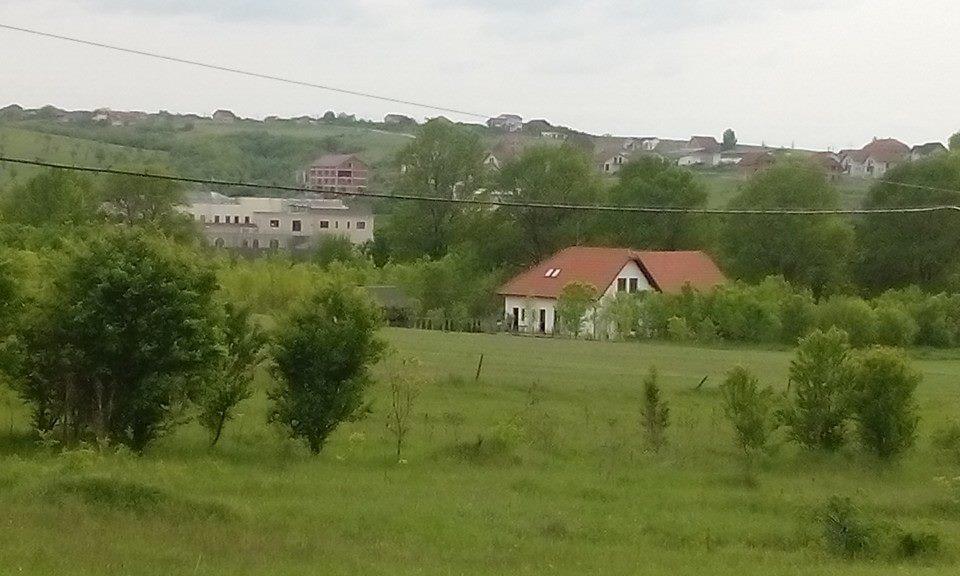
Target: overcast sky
811,72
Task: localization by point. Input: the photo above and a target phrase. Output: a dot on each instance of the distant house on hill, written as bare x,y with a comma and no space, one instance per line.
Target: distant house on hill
874,159
921,151
224,116
700,151
530,298
754,161
343,173
399,120
508,122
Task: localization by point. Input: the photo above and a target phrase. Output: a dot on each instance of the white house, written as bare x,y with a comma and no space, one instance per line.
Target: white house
874,159
530,299
508,122
700,151
254,223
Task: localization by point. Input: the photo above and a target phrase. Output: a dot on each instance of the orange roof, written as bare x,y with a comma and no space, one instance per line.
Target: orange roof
666,271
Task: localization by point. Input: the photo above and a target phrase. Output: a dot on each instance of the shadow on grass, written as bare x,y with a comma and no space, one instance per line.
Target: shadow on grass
18,443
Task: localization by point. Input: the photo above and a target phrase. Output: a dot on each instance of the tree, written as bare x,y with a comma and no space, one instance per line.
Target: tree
548,175
243,343
573,303
883,401
812,251
623,312
135,199
748,409
445,162
124,338
954,142
405,385
819,407
322,363
729,139
332,249
52,198
652,181
898,250
656,413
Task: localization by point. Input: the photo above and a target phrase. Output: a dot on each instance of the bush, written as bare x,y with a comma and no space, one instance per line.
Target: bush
798,316
322,362
852,315
846,533
818,408
895,326
678,330
883,386
914,545
622,313
656,413
947,440
707,331
749,409
573,303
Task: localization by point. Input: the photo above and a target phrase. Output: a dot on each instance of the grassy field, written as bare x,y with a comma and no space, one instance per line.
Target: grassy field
723,186
538,468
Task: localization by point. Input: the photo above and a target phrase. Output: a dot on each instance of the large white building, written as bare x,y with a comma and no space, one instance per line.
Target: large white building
257,223
530,299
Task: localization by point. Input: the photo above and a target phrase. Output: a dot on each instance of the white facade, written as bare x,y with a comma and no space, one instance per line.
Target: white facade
538,315
277,223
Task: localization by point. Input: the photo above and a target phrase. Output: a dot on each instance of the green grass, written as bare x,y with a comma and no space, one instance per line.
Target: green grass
723,186
560,483
30,145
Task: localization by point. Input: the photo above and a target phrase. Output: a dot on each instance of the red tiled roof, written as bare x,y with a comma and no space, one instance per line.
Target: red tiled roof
707,143
666,271
883,150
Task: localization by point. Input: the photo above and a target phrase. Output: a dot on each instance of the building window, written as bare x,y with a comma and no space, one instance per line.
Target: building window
246,219
336,223
361,225
621,284
236,219
274,223
274,244
348,224
256,244
216,219
218,242
296,226
203,218
324,223
246,243
634,285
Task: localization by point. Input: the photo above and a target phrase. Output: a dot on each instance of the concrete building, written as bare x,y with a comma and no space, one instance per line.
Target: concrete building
344,173
530,299
253,223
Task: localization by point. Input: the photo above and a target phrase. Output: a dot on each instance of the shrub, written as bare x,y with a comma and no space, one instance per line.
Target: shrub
895,326
913,545
678,330
947,440
707,331
798,316
573,303
852,315
656,413
749,409
883,386
818,407
322,362
846,533
622,312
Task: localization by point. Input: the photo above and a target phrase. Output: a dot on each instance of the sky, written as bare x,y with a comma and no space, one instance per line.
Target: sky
810,73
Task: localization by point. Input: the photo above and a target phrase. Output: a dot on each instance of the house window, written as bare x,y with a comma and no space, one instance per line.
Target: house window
361,225
256,244
336,223
274,223
324,223
621,284
296,226
348,224
274,244
216,219
634,285
555,273
246,219
236,219
548,273
203,218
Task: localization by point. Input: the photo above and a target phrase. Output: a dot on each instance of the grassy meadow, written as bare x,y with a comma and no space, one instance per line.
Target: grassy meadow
537,468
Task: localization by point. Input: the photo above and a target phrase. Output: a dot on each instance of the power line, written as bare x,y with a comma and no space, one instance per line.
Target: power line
248,73
497,203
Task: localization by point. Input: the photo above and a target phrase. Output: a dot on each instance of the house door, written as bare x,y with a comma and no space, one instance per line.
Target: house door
542,321
515,321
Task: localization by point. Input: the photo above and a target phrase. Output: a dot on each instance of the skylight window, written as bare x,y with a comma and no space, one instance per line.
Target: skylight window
555,273
549,273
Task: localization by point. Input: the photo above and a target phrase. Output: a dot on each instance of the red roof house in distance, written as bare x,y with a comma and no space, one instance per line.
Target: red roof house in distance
343,173
534,292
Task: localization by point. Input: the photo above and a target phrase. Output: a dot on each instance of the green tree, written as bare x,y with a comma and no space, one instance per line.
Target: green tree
729,139
749,410
52,198
652,181
125,337
883,401
819,384
954,142
322,363
623,312
573,303
444,162
243,343
656,414
898,250
812,251
548,175
136,199
332,249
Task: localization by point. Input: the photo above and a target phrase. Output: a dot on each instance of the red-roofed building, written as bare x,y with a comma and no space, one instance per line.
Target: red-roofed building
337,173
530,298
874,159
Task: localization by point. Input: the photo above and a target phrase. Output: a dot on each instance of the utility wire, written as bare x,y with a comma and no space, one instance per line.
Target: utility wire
495,203
241,72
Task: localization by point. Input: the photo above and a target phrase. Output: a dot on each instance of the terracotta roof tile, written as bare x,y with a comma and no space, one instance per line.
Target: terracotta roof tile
666,271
